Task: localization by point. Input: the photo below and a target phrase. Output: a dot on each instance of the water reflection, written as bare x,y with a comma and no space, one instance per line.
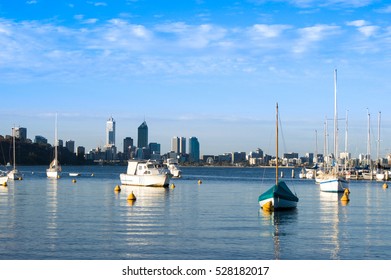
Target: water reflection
52,212
330,216
144,220
279,222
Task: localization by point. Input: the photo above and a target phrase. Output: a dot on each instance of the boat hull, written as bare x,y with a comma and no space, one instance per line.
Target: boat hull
158,180
14,175
333,185
53,174
279,203
3,179
280,196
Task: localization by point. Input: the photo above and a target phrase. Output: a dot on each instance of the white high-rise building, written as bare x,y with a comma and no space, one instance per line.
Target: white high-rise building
110,132
175,144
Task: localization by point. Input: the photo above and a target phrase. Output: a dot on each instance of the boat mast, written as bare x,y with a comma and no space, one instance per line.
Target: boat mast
369,141
335,120
378,136
276,143
13,146
55,143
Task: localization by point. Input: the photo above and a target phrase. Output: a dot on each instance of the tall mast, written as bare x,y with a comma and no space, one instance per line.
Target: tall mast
276,143
316,146
55,142
13,146
335,119
369,139
378,136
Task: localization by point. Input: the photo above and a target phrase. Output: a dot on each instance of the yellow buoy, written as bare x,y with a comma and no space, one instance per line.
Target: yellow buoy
268,206
131,197
117,188
345,197
4,184
385,186
346,191
58,177
73,181
199,182
172,186
20,178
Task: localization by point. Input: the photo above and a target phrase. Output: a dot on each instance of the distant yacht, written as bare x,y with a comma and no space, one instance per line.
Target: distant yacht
14,174
333,182
172,165
145,173
54,170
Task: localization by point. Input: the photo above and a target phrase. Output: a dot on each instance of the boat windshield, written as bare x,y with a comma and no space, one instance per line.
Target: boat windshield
150,166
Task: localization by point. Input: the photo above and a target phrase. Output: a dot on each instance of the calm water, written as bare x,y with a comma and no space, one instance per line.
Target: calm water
219,219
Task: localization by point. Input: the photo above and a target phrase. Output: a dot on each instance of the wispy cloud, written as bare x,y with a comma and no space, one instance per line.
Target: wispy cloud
118,47
308,36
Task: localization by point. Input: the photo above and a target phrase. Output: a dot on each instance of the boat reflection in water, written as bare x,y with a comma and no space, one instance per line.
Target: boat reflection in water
279,223
332,215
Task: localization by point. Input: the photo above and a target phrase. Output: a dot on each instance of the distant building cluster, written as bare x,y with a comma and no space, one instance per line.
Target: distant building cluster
144,149
187,151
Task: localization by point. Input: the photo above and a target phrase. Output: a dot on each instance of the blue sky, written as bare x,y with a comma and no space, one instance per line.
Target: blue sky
210,69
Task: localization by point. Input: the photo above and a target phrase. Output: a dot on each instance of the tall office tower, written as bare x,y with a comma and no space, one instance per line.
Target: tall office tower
110,132
182,145
142,141
194,149
128,144
20,133
70,145
175,144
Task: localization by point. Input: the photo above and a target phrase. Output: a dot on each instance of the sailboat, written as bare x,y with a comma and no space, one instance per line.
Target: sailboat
14,174
54,170
332,182
278,196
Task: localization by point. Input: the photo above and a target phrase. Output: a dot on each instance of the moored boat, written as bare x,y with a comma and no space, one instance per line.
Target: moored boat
279,196
332,182
145,173
172,165
54,170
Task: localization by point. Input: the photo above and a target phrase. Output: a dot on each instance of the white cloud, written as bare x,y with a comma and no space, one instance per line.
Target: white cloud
369,30
313,34
364,27
357,23
193,36
268,31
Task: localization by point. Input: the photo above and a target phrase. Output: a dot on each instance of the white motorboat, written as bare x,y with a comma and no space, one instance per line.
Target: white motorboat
74,174
173,167
145,173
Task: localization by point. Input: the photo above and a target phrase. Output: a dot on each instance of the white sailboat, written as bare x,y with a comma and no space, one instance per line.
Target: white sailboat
54,170
380,175
14,174
333,182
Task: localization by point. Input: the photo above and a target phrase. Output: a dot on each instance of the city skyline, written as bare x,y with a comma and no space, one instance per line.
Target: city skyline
197,68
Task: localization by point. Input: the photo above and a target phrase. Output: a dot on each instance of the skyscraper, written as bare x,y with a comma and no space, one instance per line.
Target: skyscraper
70,145
194,149
142,141
178,145
182,145
20,133
175,144
110,132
